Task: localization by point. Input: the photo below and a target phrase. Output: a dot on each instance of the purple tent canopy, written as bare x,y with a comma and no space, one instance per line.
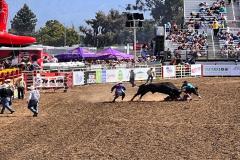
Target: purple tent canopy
110,53
77,53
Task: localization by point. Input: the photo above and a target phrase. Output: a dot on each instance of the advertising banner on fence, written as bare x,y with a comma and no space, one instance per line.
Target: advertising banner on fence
104,76
235,70
217,70
99,76
123,74
90,77
111,75
141,73
78,78
48,82
196,70
169,71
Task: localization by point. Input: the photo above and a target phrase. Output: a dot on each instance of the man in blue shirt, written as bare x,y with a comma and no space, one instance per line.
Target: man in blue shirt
188,89
119,91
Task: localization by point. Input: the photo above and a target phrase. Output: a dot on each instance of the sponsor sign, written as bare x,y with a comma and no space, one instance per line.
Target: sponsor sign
78,78
235,70
196,70
141,73
48,82
111,75
90,77
217,70
99,76
104,76
169,71
123,74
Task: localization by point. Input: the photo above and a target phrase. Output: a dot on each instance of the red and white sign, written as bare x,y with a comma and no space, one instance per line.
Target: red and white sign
196,70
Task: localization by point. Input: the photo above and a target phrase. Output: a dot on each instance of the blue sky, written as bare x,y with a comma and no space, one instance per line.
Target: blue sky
67,12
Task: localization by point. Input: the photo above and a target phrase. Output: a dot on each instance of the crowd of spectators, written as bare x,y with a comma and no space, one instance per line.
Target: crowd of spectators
229,44
208,15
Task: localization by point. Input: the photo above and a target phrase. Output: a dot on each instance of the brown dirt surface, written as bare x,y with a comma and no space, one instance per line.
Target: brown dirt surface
83,124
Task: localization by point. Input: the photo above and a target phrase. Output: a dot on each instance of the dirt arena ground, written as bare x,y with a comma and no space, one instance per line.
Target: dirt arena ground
82,124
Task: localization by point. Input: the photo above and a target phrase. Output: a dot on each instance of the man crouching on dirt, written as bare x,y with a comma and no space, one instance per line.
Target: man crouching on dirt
188,89
33,100
119,91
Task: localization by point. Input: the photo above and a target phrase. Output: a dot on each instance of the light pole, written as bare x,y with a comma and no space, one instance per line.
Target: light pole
135,40
134,21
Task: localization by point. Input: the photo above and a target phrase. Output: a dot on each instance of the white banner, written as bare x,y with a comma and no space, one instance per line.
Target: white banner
111,75
196,70
122,74
141,73
78,78
169,71
217,70
235,70
48,82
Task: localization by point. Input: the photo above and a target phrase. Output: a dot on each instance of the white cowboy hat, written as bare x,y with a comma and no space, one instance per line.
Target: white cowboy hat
120,81
31,87
4,85
8,80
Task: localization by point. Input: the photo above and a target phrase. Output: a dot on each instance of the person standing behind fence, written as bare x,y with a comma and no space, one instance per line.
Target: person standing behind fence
6,94
20,88
33,100
151,74
132,78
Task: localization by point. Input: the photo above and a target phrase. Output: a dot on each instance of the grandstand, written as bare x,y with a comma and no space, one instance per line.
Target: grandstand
199,16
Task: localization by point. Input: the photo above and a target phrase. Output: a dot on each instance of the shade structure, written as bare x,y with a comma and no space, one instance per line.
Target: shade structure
110,53
76,54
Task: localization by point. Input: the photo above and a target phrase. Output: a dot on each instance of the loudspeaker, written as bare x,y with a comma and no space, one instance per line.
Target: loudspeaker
138,16
140,24
129,24
159,45
129,16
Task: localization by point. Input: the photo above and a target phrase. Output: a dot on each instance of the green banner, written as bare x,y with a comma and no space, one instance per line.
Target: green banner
98,76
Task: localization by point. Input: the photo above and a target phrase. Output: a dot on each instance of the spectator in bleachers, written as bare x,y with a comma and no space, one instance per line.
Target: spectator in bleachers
215,27
144,52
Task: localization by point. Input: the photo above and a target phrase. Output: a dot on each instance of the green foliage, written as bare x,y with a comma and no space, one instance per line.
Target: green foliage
163,11
104,30
24,22
108,30
55,34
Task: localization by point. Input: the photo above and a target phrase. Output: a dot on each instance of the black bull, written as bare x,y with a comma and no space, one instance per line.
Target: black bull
165,87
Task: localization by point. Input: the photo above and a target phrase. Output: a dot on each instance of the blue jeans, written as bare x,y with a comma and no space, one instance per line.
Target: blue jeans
5,103
33,106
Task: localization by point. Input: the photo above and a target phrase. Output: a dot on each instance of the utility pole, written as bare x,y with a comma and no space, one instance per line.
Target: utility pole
135,40
134,21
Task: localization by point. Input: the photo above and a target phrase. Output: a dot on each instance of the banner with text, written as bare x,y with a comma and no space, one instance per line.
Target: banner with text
169,71
90,77
217,70
78,78
48,82
196,70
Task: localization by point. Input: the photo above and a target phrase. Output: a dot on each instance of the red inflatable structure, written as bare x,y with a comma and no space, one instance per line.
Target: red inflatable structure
7,39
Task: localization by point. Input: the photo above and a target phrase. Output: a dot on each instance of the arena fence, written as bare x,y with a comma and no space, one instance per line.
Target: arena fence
48,79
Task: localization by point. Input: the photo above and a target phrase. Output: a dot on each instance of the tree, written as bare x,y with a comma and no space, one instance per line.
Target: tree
24,22
107,30
163,11
55,34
